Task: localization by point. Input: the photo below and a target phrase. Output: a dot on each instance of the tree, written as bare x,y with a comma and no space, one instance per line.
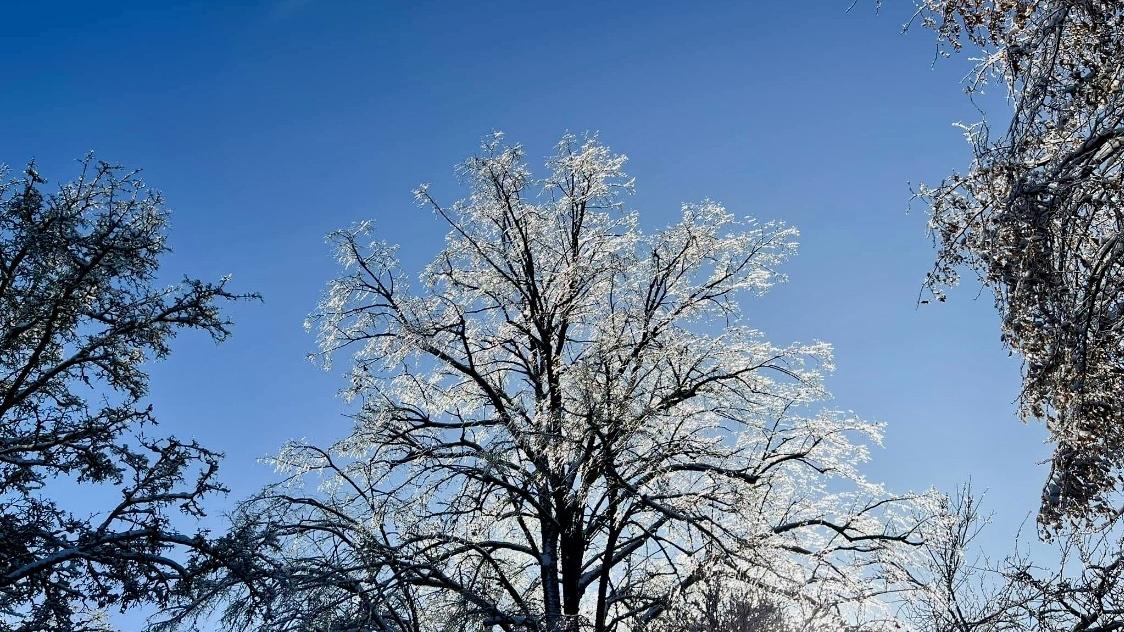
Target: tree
722,603
564,426
1038,217
80,315
959,590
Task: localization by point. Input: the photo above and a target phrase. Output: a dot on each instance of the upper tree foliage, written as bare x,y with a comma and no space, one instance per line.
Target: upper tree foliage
80,316
564,423
1039,217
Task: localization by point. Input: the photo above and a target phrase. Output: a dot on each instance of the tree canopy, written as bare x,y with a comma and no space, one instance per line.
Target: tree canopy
1038,217
80,316
564,422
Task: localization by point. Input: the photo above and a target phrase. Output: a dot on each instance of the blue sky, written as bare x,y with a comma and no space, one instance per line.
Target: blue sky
268,124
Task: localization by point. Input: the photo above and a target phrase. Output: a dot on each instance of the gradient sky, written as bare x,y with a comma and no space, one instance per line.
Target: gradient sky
269,123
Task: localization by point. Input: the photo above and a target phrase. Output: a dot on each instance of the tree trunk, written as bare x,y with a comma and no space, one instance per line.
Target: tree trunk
572,555
601,620
548,570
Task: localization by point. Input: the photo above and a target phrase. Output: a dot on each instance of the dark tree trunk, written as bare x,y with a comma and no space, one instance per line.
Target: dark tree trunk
548,568
572,555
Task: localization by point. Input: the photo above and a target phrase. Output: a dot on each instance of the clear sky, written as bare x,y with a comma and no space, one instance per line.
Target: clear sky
269,123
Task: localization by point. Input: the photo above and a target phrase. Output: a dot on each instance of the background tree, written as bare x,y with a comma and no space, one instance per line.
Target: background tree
565,425
80,315
1075,585
1038,216
721,602
958,589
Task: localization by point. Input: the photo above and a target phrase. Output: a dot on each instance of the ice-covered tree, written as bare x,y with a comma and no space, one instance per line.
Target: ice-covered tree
564,423
1073,584
80,315
1038,216
721,602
